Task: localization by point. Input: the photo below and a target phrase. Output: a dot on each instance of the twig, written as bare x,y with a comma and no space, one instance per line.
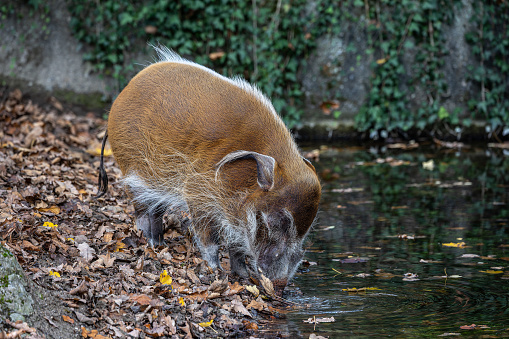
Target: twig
275,18
407,26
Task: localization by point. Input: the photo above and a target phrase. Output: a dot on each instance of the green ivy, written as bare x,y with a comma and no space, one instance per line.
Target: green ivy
395,28
37,9
268,42
490,42
263,41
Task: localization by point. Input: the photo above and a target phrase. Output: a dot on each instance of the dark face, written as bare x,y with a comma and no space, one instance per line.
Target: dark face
278,220
283,228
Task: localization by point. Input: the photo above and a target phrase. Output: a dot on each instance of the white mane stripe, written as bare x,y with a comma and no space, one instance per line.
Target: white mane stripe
164,54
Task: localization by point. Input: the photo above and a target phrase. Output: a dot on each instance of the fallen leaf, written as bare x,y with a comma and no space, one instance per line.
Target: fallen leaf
328,105
315,336
315,320
86,252
257,304
55,274
149,29
410,277
250,325
49,224
253,290
68,319
492,272
469,327
216,55
455,244
206,324
53,209
428,165
164,278
108,260
239,308
141,299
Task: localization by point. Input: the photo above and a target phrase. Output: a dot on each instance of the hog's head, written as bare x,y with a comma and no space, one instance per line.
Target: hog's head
280,212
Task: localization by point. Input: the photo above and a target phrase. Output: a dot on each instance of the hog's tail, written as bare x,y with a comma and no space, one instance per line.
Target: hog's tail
103,177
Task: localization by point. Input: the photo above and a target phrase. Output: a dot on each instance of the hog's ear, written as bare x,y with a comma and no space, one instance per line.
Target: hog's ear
264,166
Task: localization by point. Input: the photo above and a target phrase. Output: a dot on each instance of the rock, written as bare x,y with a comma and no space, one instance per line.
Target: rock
14,297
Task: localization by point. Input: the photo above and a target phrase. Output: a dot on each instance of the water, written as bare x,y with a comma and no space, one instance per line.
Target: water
387,214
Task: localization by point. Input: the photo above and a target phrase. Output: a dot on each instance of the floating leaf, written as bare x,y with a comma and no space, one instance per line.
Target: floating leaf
428,165
492,272
410,277
315,320
164,278
455,244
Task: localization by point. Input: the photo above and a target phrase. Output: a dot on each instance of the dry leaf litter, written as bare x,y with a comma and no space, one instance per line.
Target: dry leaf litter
85,256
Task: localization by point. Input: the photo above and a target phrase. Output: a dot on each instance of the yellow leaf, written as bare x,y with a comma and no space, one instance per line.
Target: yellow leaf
56,274
70,239
50,224
97,151
164,278
492,272
254,290
455,244
207,324
381,61
182,302
120,245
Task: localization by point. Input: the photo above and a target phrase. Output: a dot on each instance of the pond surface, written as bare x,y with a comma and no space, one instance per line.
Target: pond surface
409,243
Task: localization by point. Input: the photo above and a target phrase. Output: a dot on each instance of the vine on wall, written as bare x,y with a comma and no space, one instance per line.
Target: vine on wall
267,42
395,28
263,41
490,44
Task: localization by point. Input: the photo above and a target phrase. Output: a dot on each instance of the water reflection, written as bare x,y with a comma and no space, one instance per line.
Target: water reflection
409,243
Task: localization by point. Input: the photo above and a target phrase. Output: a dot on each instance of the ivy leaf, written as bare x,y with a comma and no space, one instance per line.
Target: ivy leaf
442,113
125,18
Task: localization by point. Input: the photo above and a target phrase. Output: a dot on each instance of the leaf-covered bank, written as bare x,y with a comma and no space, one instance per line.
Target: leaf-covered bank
108,281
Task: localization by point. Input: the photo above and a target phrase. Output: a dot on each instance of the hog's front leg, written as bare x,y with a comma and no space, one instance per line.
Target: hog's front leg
207,240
